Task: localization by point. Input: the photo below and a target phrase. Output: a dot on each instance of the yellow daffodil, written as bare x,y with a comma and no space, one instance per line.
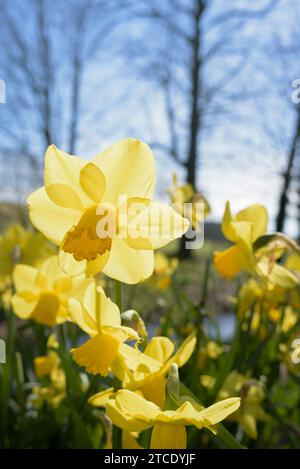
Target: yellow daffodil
189,203
42,293
290,319
100,318
49,366
164,268
252,396
244,230
100,213
133,413
211,350
146,372
20,246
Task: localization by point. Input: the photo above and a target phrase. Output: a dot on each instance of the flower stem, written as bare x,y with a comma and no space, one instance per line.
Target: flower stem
118,294
116,431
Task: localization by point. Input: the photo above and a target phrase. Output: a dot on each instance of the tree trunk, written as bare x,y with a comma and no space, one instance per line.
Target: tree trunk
193,147
287,178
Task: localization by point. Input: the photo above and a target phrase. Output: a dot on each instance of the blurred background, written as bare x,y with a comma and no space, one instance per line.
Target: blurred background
209,84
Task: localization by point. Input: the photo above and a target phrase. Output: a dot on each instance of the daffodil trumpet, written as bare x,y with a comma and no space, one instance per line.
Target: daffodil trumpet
100,318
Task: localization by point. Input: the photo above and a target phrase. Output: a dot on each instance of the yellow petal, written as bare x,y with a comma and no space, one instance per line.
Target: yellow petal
185,351
128,265
136,406
97,354
44,365
244,236
138,361
227,229
160,348
24,277
123,420
53,221
168,436
231,261
258,216
46,309
103,311
62,168
129,169
93,182
154,389
97,265
217,412
101,398
69,265
277,274
80,316
129,441
248,422
64,196
79,286
23,308
50,268
155,226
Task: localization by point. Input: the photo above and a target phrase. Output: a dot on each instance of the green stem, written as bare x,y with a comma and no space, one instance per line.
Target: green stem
116,431
118,294
6,377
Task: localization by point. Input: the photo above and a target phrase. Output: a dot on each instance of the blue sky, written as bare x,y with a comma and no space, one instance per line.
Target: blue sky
241,158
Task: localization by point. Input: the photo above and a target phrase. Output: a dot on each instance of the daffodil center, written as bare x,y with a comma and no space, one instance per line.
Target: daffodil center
82,240
46,309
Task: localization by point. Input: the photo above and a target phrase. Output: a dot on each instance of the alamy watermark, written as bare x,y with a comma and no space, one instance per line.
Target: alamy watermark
2,92
295,96
148,223
2,351
295,356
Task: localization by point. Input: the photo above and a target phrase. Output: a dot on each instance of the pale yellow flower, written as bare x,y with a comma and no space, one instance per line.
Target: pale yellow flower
42,293
79,197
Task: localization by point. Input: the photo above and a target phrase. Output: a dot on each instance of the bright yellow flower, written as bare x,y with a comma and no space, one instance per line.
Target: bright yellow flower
79,197
146,372
133,413
164,268
18,246
49,366
252,396
207,381
211,350
100,318
42,293
185,194
243,230
290,319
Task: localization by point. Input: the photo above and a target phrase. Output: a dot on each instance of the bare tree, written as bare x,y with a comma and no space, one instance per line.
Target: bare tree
47,49
196,52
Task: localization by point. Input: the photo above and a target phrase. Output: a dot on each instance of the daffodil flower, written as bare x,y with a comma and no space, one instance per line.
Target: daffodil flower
42,293
133,413
146,372
49,366
189,203
100,318
114,189
20,246
164,268
244,230
252,396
